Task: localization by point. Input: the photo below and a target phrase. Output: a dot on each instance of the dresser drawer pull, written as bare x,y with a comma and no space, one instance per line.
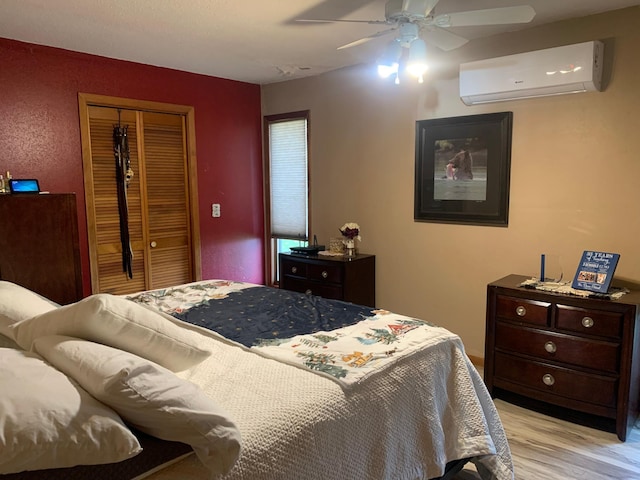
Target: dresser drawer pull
548,379
324,274
521,311
308,291
587,322
294,269
550,347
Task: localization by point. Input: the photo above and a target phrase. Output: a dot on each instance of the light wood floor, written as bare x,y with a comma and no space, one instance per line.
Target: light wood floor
546,448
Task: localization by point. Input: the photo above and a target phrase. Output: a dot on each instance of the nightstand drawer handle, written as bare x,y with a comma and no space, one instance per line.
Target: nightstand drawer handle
587,322
521,311
324,274
294,269
550,347
548,379
308,291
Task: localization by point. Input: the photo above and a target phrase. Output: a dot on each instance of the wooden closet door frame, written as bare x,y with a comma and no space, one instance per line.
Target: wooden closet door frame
86,100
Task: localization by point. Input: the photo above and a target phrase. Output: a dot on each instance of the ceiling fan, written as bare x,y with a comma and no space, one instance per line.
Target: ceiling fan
416,19
415,22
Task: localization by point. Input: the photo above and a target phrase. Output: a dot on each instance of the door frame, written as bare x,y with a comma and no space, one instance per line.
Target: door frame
86,100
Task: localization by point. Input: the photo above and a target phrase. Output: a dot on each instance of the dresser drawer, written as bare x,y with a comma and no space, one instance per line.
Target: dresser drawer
325,273
523,310
291,267
560,382
589,322
313,288
575,351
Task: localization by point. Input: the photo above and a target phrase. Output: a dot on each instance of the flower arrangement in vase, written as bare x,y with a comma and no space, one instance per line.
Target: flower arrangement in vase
351,233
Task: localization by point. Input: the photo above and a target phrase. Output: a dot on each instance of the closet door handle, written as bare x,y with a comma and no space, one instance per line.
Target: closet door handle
153,244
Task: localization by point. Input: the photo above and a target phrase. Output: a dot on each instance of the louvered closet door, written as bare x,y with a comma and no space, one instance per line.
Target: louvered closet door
158,202
167,199
104,228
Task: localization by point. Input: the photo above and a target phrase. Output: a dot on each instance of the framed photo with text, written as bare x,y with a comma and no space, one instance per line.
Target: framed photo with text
462,169
595,271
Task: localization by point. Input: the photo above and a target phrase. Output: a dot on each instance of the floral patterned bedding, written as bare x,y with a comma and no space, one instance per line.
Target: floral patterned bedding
250,314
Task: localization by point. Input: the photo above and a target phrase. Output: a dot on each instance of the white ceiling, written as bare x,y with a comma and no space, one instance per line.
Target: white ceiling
254,41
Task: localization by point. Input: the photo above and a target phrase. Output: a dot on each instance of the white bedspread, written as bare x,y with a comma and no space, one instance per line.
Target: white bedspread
407,423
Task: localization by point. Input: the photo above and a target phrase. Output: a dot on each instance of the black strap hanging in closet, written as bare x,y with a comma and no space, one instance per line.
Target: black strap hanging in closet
123,176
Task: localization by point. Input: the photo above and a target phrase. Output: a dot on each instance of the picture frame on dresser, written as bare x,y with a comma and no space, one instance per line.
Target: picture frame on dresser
462,169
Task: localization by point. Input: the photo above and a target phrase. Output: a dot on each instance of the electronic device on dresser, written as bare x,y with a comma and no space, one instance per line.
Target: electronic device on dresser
336,277
568,356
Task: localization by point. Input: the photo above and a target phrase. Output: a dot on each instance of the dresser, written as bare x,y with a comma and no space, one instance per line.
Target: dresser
39,244
572,357
340,278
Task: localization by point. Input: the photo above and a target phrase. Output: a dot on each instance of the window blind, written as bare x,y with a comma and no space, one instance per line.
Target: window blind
288,178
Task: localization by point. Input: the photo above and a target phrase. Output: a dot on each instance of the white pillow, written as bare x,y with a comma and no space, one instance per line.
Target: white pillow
17,303
149,397
48,421
118,322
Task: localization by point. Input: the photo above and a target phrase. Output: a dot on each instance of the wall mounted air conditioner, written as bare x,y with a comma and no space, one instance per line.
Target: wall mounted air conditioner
553,71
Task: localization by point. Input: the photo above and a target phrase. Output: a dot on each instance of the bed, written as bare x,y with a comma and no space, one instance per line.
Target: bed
302,387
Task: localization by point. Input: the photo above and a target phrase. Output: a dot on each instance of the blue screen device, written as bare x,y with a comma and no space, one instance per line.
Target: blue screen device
20,185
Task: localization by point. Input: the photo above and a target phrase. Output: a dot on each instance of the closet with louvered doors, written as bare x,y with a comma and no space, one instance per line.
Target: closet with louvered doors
161,197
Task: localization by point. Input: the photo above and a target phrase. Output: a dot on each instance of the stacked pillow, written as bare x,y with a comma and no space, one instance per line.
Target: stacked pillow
17,303
48,421
117,322
123,355
148,396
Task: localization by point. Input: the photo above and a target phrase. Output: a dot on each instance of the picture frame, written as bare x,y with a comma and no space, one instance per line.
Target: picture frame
462,169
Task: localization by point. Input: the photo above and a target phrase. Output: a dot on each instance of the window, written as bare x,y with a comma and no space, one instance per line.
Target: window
287,192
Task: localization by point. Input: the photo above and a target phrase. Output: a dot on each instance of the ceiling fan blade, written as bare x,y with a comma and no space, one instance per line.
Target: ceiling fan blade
441,38
490,16
329,9
428,6
412,7
371,22
368,38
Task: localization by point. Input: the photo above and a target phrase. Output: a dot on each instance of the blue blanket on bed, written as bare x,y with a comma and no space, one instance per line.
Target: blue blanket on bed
255,316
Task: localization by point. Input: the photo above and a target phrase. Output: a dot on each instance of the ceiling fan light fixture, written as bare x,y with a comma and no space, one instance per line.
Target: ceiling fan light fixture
417,64
388,63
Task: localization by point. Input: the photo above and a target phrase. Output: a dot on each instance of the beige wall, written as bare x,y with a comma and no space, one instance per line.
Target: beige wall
575,171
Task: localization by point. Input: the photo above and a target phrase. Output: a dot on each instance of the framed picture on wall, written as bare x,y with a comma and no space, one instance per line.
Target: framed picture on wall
463,168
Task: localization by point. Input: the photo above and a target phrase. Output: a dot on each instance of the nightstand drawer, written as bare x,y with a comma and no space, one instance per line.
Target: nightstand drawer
325,273
523,310
589,322
291,267
560,382
577,351
314,288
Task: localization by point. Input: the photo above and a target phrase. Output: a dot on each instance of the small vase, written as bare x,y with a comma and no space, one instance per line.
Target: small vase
350,248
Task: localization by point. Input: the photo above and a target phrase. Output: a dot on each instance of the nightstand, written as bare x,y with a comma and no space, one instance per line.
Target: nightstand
336,277
568,356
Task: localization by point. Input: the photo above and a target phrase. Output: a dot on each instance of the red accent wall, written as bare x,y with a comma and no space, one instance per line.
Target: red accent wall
40,137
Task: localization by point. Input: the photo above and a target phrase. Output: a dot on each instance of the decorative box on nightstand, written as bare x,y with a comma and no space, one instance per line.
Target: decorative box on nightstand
572,357
340,278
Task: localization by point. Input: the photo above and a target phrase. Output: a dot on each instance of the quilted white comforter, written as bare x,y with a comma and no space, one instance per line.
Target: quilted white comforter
425,410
